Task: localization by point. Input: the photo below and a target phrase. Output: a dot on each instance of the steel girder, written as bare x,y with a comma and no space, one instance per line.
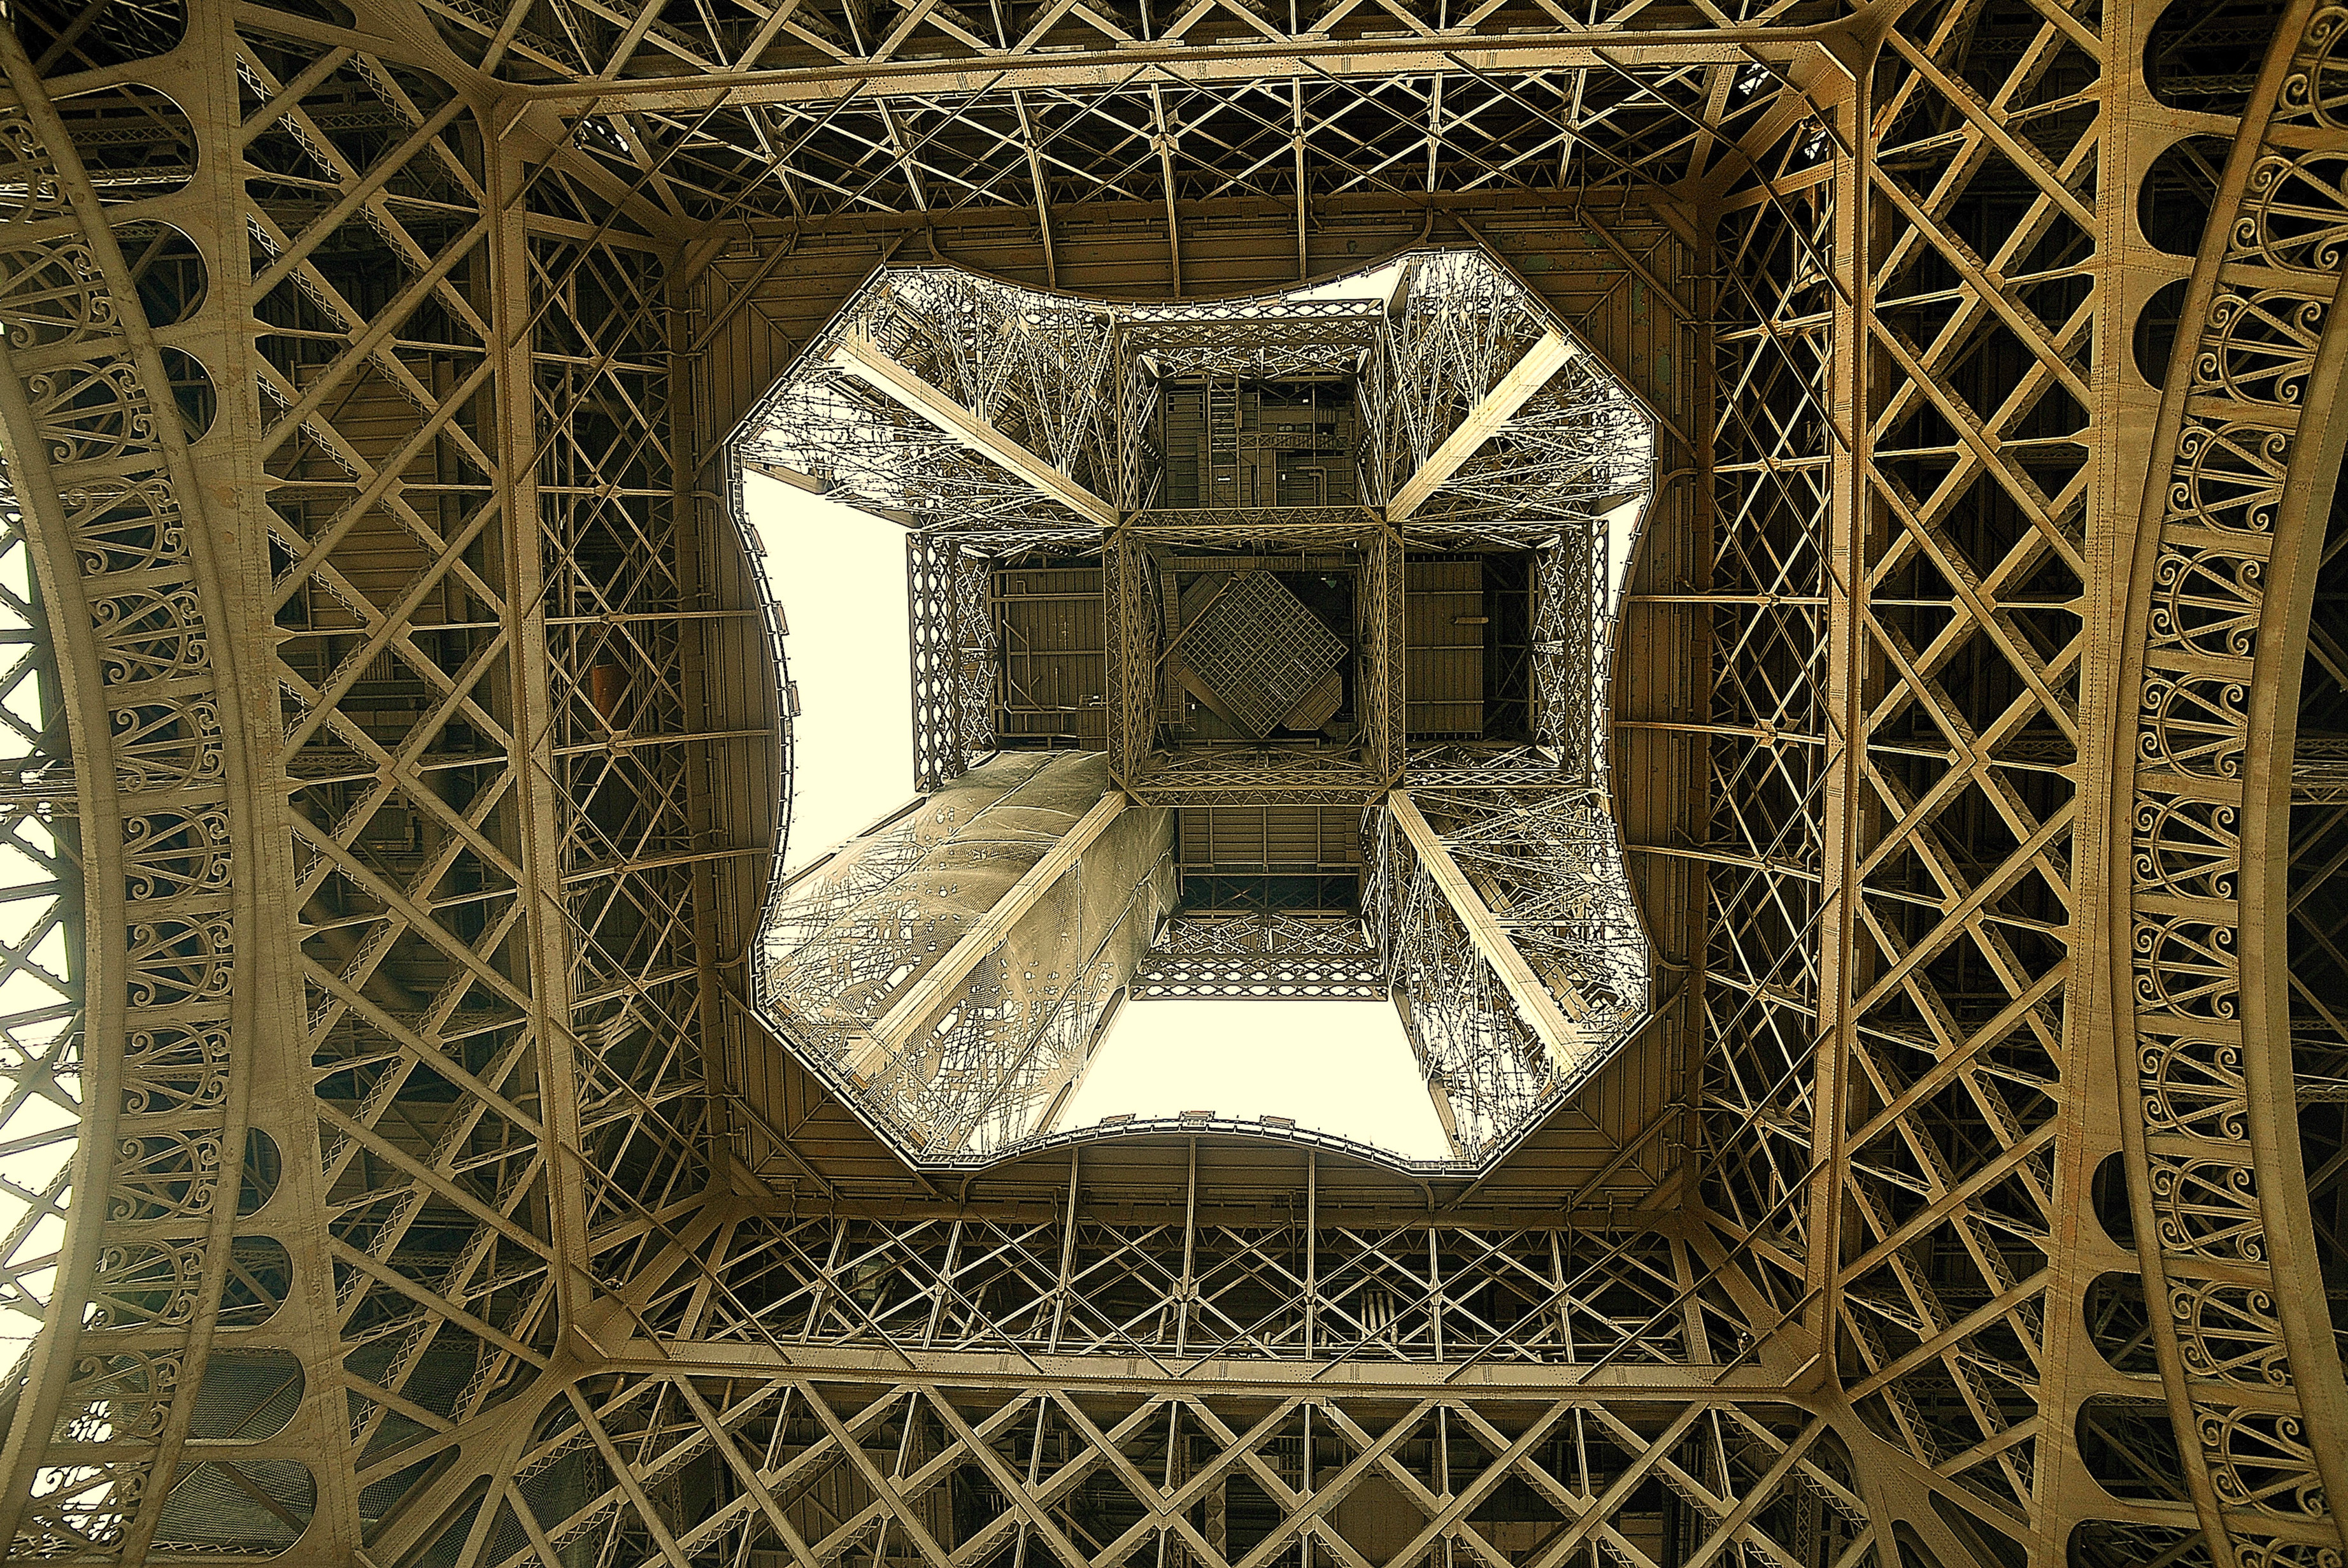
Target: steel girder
423,875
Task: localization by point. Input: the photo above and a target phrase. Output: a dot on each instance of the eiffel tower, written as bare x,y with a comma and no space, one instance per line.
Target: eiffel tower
1712,554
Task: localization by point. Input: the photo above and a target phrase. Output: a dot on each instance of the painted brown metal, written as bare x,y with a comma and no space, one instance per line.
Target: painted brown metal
406,751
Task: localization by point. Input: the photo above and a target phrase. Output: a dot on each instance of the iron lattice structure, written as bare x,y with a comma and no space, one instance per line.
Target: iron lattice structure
1001,422
986,418
405,1174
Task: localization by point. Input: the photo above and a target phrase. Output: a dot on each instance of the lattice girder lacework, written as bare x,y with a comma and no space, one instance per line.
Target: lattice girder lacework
1236,1288
1260,649
825,1467
1547,865
625,744
1972,648
1243,956
394,666
1550,866
1197,126
954,656
1491,1067
1776,445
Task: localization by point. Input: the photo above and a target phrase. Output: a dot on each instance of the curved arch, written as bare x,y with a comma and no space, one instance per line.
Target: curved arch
2246,456
99,463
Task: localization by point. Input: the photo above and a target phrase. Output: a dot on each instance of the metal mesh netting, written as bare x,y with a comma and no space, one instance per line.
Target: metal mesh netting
1261,650
976,1064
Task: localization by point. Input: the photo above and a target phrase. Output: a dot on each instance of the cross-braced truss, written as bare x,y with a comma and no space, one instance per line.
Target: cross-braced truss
1253,956
400,756
934,395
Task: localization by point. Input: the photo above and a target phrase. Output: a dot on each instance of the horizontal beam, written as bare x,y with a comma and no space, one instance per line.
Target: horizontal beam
1644,1384
867,364
1534,1003
1359,790
597,871
2320,780
1184,63
1494,409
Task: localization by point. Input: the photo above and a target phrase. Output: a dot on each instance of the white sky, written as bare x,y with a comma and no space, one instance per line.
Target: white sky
1338,1066
839,575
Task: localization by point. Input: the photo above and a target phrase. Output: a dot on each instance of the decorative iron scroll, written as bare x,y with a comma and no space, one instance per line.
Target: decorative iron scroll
2229,494
146,1268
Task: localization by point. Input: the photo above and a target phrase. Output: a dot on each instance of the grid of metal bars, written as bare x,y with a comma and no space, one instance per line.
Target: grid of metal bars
444,845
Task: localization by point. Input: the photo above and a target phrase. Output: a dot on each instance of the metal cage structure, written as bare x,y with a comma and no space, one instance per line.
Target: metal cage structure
404,1167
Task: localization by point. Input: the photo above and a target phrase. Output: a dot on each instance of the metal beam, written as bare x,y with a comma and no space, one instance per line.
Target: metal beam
1497,407
1184,63
1162,142
1534,1003
860,359
937,988
2318,771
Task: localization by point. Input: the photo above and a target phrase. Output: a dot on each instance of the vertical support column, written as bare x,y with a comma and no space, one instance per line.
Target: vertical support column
1065,1286
1383,661
938,755
694,509
514,311
1845,585
1311,1269
1127,613
1189,1285
2098,1039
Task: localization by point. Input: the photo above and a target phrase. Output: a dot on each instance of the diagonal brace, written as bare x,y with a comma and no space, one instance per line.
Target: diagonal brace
1535,1005
1494,409
877,369
926,998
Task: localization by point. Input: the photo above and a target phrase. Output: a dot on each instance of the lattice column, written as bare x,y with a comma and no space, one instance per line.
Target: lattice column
953,656
952,968
1130,619
1850,677
1771,484
1957,955
1570,638
1382,661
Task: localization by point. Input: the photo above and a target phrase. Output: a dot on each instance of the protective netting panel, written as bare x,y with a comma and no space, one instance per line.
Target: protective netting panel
959,1049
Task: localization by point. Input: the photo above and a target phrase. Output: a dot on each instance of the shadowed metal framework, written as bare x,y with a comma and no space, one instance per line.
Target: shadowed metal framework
1066,466
403,1169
